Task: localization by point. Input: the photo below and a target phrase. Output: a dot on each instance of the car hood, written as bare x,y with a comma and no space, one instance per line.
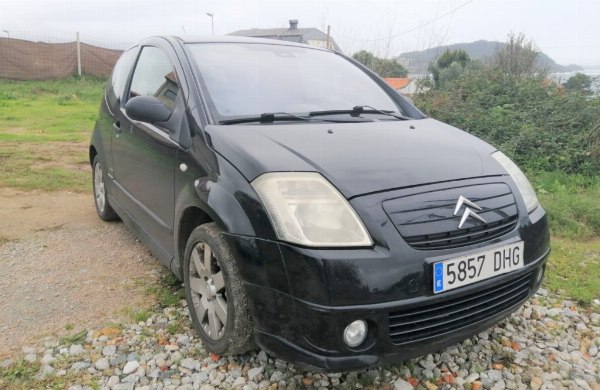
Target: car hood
358,158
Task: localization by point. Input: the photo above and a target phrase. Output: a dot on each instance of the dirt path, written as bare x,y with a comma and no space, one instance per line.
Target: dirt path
61,267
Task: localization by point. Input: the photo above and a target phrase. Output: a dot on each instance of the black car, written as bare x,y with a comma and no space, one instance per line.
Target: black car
307,207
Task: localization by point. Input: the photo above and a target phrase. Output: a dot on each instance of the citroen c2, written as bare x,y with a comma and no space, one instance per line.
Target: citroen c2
308,208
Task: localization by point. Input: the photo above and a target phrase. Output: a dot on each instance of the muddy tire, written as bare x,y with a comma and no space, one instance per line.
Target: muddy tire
215,294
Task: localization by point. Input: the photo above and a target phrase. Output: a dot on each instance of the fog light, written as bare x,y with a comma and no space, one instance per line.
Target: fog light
355,333
540,275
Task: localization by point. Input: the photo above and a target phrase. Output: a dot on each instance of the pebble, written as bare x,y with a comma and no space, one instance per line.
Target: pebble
112,381
76,349
130,367
47,359
254,372
531,349
101,364
400,384
78,366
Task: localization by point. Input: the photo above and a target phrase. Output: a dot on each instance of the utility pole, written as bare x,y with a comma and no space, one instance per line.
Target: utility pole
78,55
212,22
328,35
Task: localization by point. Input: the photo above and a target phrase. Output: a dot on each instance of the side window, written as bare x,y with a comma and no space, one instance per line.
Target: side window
154,76
119,76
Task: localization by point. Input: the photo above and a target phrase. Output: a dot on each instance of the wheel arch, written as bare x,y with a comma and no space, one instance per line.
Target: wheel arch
191,217
92,153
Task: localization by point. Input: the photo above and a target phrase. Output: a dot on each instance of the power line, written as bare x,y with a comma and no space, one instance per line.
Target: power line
414,28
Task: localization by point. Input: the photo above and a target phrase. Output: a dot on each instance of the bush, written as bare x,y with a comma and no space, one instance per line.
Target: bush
542,126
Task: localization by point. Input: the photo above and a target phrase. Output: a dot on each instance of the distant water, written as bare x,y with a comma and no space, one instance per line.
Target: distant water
562,78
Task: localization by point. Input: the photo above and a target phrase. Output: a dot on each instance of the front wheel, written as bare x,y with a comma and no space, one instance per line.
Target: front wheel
216,297
103,207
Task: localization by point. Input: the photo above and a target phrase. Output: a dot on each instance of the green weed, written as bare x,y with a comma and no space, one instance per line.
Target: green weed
141,316
76,338
20,371
168,291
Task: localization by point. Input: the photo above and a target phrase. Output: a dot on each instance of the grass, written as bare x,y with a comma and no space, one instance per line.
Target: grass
76,338
73,104
574,269
175,327
141,316
22,375
20,371
572,203
168,291
45,128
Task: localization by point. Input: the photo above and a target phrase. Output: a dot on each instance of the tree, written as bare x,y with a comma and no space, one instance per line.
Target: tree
518,56
382,66
450,64
579,82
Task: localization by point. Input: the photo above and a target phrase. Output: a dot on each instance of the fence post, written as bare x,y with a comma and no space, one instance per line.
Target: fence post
78,56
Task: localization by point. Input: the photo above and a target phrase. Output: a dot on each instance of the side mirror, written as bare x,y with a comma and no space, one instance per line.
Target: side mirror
147,109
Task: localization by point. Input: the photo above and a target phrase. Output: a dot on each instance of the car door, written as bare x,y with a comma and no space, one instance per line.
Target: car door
110,110
144,155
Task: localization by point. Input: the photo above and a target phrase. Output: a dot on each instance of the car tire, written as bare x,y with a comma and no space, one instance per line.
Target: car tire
103,207
215,294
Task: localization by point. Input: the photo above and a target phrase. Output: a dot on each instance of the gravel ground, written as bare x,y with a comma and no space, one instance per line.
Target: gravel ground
58,267
550,343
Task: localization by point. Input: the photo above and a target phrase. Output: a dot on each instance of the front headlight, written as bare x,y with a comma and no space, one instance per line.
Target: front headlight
527,191
306,209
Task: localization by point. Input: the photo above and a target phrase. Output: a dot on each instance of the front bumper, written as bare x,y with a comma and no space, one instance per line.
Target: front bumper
321,346
302,299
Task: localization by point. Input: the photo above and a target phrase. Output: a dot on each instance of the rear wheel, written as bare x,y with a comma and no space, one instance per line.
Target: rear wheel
103,207
216,298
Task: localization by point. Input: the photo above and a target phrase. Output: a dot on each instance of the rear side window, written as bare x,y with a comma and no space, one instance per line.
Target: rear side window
119,76
154,76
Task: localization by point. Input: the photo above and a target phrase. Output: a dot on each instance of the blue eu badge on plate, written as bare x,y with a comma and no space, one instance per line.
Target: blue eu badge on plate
438,277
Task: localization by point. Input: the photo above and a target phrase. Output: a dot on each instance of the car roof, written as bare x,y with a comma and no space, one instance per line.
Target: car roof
237,39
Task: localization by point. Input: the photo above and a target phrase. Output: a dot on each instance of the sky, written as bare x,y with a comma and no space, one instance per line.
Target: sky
566,30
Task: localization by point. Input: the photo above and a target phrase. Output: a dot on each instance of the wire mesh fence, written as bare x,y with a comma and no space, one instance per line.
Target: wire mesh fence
54,55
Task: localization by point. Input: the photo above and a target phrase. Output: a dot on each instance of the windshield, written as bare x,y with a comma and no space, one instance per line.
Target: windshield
251,79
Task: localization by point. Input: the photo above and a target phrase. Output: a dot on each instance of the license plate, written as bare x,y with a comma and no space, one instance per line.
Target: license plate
460,271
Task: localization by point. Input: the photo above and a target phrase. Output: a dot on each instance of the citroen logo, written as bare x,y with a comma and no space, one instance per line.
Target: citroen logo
468,210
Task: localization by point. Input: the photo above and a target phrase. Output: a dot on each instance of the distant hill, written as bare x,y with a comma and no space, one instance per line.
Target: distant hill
418,61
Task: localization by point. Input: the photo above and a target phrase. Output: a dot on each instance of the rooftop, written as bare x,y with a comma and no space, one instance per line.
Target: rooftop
397,82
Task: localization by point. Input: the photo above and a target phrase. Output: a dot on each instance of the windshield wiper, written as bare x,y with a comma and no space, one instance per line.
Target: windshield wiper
270,117
357,111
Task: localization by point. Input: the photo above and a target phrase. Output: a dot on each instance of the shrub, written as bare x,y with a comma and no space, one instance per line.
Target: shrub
542,126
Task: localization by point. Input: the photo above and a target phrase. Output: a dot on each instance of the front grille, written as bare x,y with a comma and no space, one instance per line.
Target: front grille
427,221
456,238
435,319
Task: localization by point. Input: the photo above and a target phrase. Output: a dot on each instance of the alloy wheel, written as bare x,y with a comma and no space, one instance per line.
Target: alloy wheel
99,190
208,291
